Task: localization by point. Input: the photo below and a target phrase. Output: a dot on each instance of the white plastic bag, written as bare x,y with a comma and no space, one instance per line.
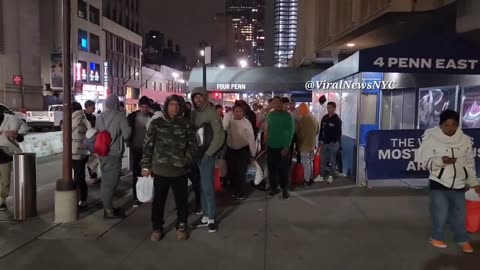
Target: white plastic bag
471,195
255,173
145,189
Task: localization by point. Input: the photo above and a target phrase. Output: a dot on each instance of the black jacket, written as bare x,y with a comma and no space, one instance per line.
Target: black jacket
131,123
92,119
330,129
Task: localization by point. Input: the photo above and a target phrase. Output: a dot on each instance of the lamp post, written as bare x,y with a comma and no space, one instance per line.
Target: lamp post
205,52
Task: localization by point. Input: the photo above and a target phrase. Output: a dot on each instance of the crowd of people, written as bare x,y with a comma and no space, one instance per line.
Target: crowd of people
183,143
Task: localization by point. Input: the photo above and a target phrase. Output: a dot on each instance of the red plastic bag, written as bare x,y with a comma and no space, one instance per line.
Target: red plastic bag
316,164
473,216
103,141
217,184
297,174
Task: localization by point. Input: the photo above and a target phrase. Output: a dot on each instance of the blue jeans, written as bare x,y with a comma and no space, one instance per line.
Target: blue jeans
207,167
328,152
448,206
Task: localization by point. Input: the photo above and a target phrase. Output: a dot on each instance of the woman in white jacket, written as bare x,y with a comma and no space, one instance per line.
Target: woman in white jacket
80,125
448,154
240,150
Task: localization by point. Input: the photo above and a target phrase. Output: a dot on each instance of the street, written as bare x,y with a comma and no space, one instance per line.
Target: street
325,227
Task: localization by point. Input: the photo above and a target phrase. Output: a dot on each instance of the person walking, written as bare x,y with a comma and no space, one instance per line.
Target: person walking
205,115
279,134
329,140
115,123
170,146
240,151
138,121
448,154
307,132
80,125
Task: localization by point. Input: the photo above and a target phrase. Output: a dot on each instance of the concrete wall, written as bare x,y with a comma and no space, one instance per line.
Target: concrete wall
21,22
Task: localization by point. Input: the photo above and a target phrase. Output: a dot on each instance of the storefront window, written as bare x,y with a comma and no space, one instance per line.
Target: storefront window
398,109
81,71
471,107
432,101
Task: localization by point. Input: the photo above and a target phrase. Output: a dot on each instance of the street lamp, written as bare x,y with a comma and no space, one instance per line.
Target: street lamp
175,75
243,63
181,81
221,66
202,53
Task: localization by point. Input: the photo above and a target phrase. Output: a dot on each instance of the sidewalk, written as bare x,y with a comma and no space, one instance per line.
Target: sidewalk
320,228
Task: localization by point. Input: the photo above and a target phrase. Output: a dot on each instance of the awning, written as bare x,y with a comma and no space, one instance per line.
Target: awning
255,79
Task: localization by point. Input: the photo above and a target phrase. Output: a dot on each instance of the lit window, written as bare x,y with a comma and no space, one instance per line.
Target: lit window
83,40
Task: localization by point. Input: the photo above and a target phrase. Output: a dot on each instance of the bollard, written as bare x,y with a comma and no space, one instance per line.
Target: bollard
24,185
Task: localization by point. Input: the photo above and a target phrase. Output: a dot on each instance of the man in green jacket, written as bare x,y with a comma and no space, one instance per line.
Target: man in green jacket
205,114
170,145
280,130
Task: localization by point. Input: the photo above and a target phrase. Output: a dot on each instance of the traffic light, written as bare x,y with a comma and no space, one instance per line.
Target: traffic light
216,95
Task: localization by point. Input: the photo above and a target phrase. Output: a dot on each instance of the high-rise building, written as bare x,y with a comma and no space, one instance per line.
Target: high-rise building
123,46
285,31
248,22
156,53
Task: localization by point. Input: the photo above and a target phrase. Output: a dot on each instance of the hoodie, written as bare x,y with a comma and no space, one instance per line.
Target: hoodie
115,122
435,145
207,114
170,144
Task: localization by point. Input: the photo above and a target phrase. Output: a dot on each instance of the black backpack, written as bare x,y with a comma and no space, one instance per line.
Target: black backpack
205,138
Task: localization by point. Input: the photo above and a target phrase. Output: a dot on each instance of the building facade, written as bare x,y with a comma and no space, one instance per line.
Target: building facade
159,82
285,31
123,49
248,20
20,54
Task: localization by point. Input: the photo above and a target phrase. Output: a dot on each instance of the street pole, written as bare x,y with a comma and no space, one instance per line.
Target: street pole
204,66
66,194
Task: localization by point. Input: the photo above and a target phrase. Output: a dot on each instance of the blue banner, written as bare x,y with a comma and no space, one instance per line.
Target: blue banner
390,154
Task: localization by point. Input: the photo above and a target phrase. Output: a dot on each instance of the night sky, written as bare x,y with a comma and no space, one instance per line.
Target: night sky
186,22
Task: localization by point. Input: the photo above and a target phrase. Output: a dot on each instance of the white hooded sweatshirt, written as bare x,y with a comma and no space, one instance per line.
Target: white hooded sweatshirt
435,145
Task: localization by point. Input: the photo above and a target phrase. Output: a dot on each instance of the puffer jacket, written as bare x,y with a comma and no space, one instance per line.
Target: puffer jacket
435,145
80,125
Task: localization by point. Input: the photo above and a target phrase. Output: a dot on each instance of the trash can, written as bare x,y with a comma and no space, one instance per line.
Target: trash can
24,185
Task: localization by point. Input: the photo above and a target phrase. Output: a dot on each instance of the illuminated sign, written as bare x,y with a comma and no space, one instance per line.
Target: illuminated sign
94,72
105,75
94,92
17,80
231,86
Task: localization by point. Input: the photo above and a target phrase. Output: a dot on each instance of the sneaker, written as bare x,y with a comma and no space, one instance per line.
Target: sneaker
285,194
199,211
318,179
112,214
330,179
203,222
466,247
82,205
273,193
308,184
136,204
157,235
438,244
212,227
3,207
182,232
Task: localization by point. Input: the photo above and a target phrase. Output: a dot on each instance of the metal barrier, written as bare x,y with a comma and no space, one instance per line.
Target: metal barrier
25,186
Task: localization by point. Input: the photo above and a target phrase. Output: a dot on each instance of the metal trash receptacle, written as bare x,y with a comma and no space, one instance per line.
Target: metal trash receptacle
24,185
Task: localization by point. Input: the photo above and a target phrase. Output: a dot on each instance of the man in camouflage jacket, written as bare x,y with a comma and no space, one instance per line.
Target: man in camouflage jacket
170,144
